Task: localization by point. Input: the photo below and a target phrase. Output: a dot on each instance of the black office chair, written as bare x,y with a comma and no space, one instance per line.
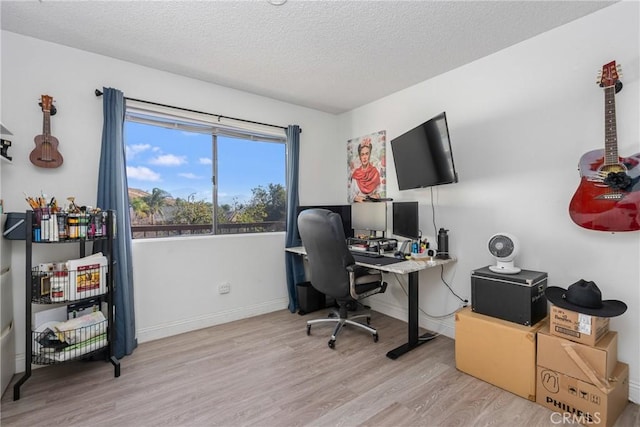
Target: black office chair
334,271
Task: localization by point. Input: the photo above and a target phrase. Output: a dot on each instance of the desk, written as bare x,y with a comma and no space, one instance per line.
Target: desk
411,268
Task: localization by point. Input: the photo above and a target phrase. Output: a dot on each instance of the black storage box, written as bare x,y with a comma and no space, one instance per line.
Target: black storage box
518,298
15,226
309,298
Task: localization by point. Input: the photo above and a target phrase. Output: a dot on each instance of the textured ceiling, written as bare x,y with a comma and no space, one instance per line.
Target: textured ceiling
332,56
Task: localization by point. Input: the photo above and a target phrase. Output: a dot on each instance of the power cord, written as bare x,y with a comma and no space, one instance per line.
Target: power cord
433,213
465,302
438,317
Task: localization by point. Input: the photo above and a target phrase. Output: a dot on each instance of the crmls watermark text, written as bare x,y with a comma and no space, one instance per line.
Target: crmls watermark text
571,415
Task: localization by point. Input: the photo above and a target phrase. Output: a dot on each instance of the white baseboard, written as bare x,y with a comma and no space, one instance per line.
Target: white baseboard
634,392
191,324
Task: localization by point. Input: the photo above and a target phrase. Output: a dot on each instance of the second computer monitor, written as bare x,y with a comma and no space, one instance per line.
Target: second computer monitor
369,216
405,220
343,210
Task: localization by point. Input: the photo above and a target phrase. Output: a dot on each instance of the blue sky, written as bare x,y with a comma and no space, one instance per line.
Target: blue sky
181,163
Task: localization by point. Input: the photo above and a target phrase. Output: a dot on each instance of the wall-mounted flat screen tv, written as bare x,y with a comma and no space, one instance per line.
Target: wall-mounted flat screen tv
423,156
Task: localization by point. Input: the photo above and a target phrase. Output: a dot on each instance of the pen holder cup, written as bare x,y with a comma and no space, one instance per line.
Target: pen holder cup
37,217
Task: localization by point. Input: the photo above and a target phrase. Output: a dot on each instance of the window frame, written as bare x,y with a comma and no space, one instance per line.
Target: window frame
213,125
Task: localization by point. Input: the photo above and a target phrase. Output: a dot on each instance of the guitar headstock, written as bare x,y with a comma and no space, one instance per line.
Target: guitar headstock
46,103
609,74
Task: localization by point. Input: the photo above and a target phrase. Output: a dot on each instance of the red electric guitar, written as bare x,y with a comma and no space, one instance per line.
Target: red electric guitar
608,198
46,154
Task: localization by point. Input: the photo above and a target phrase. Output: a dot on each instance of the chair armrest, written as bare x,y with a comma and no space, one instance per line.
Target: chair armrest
358,269
368,280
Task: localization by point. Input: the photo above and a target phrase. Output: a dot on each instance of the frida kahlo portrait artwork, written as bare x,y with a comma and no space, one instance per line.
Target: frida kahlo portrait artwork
366,162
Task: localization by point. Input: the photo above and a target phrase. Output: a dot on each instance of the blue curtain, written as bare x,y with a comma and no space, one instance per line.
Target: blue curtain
293,262
113,194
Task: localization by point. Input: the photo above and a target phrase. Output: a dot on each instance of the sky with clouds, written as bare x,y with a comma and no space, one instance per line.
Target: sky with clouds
181,163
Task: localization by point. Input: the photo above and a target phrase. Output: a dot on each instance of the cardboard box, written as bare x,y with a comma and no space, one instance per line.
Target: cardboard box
497,351
581,402
577,327
87,276
517,297
600,360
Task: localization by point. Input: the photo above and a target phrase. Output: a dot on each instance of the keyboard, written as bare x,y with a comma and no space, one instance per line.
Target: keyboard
365,253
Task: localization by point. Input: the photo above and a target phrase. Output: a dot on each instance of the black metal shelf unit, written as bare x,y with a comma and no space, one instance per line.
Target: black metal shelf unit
78,289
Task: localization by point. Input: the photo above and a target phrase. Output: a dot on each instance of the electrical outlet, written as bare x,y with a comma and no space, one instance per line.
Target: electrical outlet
224,288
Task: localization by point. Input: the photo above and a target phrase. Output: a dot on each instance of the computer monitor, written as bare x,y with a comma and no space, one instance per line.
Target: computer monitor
369,216
343,210
405,220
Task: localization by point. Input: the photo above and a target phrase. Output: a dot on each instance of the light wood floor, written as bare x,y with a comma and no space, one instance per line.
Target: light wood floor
266,371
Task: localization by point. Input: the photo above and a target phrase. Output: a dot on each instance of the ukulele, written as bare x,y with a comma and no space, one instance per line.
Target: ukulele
608,197
46,154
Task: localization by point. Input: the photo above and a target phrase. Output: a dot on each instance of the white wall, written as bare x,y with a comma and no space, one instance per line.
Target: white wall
175,279
519,121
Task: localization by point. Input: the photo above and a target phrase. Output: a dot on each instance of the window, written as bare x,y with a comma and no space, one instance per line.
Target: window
192,175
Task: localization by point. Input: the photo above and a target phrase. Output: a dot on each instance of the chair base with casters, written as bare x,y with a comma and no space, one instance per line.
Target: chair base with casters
334,271
341,320
363,283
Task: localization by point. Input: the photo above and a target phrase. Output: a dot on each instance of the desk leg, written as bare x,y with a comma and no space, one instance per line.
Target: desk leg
413,339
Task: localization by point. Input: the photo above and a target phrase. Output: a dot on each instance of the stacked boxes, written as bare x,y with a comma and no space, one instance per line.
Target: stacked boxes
499,352
578,374
566,363
496,336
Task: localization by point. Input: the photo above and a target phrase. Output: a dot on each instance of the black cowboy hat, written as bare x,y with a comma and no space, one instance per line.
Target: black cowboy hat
584,297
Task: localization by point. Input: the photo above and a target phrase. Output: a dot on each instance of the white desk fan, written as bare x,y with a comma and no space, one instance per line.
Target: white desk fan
504,247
